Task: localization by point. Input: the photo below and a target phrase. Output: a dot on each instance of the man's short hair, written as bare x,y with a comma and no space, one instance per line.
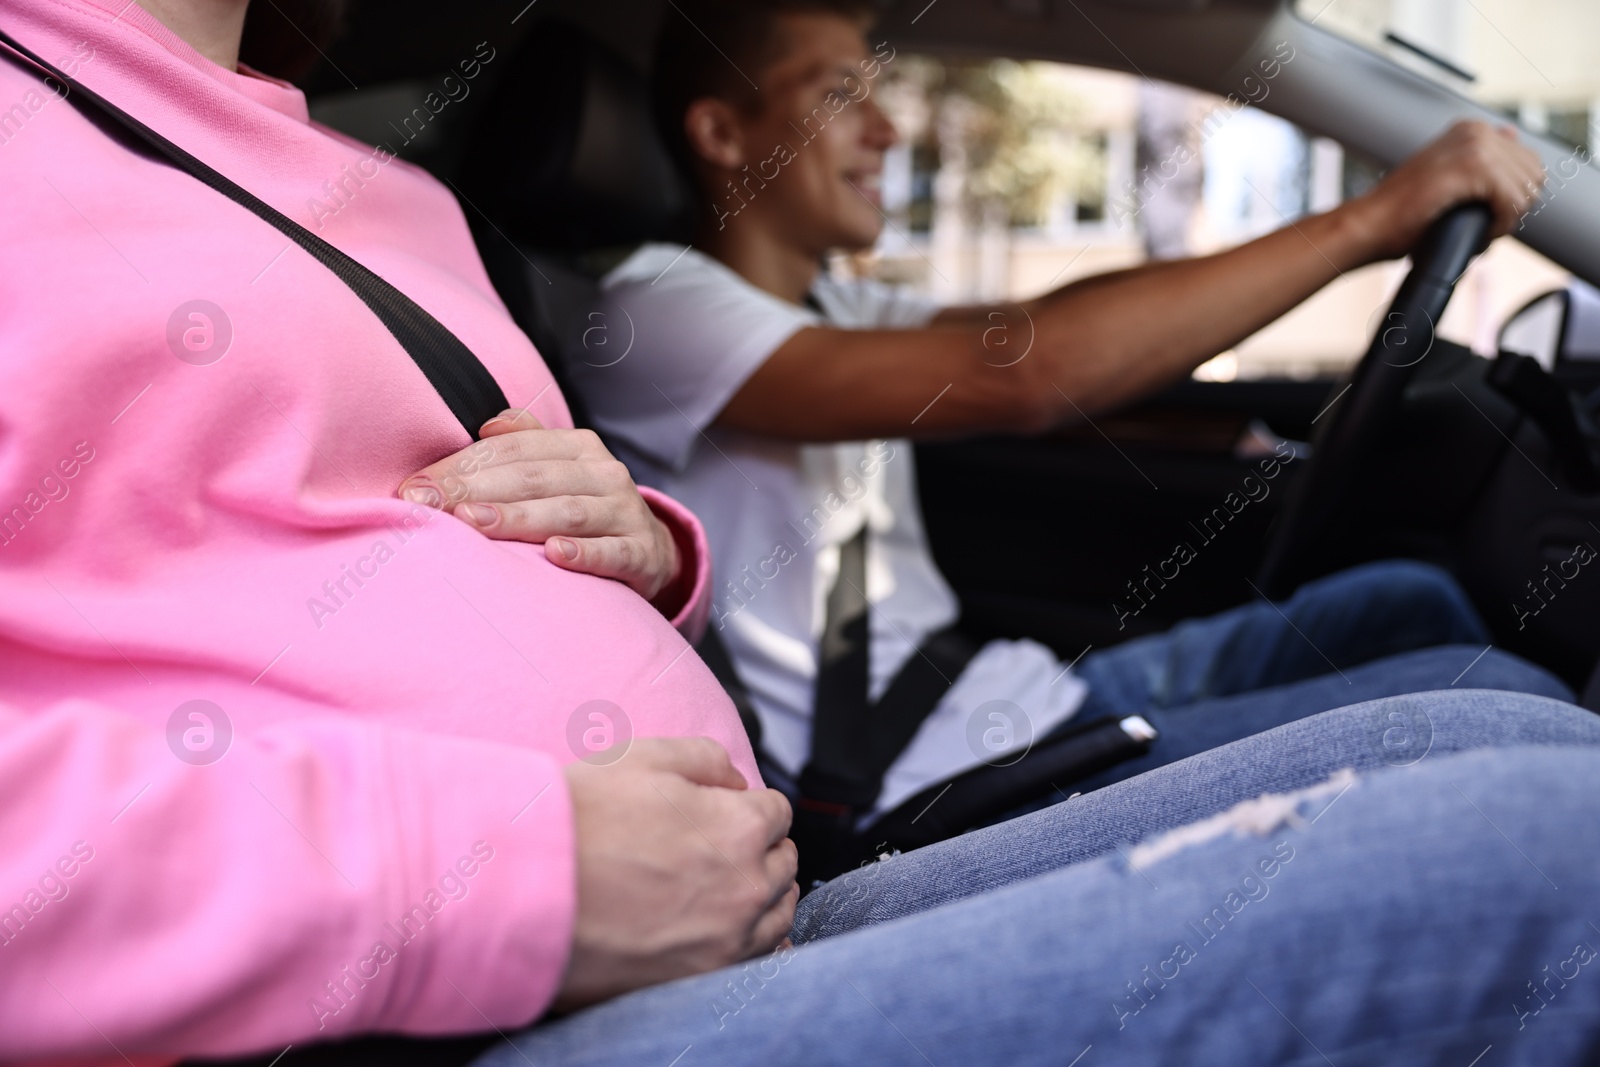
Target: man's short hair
713,47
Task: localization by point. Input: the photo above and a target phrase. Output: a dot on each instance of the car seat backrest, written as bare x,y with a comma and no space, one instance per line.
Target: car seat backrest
568,173
565,156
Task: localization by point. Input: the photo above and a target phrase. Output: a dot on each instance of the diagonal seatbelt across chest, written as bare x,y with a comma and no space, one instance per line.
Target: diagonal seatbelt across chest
854,740
840,771
461,380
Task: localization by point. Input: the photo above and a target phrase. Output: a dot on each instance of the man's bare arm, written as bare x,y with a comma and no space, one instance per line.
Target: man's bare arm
1102,341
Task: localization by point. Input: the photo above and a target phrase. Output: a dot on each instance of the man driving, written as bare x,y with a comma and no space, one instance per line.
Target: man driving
777,402
780,403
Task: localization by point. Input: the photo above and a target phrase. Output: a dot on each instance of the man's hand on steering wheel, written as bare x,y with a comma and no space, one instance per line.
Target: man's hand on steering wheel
1471,161
561,488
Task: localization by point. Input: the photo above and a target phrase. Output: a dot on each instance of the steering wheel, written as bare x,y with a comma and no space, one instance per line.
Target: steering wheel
1365,407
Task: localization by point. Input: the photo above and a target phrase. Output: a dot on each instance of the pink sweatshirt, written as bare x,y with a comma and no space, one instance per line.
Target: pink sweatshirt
203,509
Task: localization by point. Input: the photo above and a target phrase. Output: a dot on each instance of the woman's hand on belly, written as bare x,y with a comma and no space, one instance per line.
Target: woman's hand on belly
559,488
681,869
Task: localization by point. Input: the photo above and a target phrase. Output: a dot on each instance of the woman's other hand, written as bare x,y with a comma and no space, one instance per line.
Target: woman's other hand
681,868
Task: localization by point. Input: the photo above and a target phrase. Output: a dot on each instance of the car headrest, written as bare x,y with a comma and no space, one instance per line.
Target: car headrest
565,155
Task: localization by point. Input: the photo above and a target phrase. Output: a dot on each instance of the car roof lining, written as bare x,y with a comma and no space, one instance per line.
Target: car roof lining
1333,87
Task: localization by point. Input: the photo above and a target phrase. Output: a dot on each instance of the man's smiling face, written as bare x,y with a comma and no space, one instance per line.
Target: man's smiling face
814,119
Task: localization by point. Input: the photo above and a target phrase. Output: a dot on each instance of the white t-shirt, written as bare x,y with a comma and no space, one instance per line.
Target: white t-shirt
776,512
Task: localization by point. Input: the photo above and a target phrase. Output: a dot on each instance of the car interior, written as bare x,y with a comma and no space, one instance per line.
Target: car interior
1428,451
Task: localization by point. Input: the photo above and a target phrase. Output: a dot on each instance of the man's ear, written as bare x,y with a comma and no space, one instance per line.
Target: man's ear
714,132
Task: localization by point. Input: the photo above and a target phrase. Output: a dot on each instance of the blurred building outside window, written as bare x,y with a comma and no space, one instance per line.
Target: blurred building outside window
1012,178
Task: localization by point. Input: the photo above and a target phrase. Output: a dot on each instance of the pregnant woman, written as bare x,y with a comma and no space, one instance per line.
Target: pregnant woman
291,751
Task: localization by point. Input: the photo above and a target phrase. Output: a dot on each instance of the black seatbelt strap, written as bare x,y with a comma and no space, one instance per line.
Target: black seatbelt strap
463,382
853,740
913,694
839,771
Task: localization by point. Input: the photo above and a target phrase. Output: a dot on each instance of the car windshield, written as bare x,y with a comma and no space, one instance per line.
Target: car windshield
1011,178
1537,61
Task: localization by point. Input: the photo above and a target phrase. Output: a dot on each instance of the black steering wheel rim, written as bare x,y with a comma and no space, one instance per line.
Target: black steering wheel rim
1368,403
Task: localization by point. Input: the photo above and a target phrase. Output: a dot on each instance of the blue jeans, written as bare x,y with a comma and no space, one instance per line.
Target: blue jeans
1329,625
1439,901
1346,638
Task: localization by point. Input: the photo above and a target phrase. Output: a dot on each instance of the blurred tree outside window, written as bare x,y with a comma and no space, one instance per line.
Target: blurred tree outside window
1012,178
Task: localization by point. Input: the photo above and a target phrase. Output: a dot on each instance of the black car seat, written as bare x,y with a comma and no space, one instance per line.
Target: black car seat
565,156
565,163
